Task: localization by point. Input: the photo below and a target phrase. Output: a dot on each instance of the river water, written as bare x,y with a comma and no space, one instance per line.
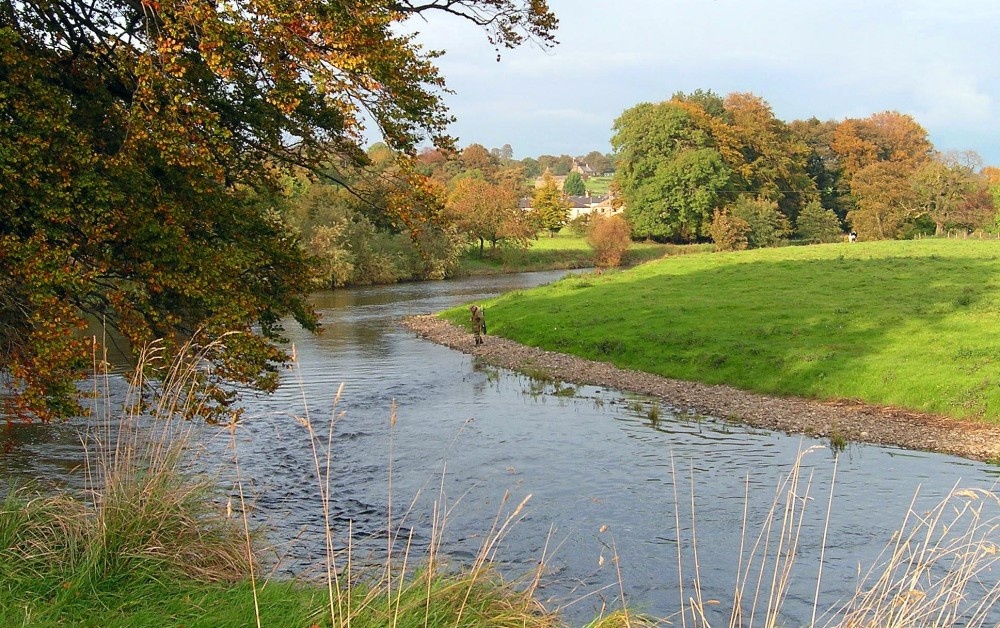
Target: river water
622,495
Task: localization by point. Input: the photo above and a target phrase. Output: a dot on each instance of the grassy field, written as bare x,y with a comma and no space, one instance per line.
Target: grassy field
910,324
598,185
564,251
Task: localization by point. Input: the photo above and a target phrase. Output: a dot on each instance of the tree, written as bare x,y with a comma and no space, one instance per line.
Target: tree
706,100
142,156
531,167
597,160
888,136
559,166
883,195
358,245
573,185
978,211
945,190
550,209
488,212
815,223
768,226
676,200
822,164
476,157
670,176
770,162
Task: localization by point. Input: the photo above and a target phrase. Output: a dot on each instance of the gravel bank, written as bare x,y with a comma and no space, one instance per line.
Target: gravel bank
854,420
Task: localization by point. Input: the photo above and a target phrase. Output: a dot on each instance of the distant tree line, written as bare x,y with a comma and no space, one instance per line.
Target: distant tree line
468,200
697,167
700,166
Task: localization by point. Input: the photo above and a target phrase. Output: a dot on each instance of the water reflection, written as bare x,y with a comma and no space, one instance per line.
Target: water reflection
608,478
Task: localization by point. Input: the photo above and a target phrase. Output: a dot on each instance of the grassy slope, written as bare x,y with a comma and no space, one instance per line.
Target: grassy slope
904,323
598,185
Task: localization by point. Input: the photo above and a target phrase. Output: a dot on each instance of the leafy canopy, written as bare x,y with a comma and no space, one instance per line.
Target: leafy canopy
142,149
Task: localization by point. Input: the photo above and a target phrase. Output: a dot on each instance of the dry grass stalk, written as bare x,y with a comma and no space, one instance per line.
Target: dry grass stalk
393,588
144,507
932,574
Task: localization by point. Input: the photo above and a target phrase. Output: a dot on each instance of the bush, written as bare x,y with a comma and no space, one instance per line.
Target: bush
728,232
768,226
579,226
816,224
609,236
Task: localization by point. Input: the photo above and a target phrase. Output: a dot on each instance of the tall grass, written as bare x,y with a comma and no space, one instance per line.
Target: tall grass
939,570
151,543
139,525
908,324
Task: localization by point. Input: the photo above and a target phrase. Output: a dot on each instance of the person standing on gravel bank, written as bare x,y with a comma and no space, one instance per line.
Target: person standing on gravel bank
478,323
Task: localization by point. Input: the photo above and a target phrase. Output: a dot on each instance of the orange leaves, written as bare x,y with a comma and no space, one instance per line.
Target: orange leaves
887,136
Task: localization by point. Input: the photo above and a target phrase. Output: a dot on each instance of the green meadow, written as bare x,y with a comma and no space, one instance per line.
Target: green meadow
903,323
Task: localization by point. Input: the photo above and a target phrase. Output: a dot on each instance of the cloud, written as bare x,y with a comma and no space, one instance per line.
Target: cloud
928,58
949,96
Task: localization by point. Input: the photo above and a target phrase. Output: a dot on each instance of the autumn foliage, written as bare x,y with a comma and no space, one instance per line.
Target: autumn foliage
728,232
488,212
142,153
610,237
682,161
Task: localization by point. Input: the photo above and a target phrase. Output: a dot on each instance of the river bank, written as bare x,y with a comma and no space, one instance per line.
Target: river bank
851,420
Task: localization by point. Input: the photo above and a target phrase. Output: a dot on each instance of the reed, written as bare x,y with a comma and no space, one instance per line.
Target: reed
939,570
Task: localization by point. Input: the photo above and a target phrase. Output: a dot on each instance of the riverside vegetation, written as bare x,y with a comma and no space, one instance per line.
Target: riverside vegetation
566,250
152,542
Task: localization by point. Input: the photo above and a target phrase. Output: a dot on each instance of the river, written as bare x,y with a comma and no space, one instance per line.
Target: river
623,497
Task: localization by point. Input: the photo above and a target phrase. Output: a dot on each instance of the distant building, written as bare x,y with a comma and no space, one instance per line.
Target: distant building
560,181
583,170
586,204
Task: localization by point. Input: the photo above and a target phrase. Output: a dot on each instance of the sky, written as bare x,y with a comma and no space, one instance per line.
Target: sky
936,60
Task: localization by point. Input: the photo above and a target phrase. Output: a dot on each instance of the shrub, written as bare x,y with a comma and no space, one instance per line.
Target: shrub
817,224
609,236
580,226
728,232
768,226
